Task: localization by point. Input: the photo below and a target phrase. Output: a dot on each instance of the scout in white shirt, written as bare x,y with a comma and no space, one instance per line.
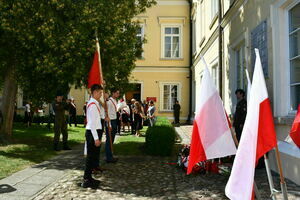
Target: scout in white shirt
111,118
93,137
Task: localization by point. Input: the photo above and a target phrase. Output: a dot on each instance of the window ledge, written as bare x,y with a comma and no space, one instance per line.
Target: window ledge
286,120
202,41
213,21
165,111
171,59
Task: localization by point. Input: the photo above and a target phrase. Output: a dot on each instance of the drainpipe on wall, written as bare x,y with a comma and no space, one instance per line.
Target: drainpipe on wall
220,50
188,121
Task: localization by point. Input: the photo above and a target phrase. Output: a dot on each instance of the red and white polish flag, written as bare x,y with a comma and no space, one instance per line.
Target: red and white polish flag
211,137
258,137
295,131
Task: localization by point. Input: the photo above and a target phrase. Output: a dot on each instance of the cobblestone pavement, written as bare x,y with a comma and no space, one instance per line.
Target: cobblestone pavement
149,178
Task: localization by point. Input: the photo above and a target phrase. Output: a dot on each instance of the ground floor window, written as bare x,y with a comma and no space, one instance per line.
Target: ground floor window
294,36
170,95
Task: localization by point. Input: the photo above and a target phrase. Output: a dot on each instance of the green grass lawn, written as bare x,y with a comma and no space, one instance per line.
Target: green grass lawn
32,145
130,144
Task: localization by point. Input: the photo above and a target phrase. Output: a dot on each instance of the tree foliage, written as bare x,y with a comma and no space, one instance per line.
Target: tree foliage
50,43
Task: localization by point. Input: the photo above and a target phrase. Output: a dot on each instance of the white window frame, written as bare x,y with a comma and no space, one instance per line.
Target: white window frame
243,78
202,20
215,74
194,32
161,86
214,9
292,58
163,27
281,57
142,35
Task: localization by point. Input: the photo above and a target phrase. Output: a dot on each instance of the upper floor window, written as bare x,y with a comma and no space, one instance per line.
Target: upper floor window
294,36
140,35
214,8
215,75
171,42
240,68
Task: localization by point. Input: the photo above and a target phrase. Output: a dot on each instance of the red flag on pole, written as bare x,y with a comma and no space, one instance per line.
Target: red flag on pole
95,74
295,131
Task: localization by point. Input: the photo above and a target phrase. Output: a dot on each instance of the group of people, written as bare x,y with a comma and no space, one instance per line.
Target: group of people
40,113
109,115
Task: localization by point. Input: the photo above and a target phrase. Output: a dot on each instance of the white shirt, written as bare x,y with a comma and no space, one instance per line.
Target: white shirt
126,110
93,117
102,112
112,108
27,108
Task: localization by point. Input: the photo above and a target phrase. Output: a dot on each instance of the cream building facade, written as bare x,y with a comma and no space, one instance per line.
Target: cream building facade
272,26
163,71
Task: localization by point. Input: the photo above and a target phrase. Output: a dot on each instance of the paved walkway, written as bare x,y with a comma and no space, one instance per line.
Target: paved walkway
133,177
29,182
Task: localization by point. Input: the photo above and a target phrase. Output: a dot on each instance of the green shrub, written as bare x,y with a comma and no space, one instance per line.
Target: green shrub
160,138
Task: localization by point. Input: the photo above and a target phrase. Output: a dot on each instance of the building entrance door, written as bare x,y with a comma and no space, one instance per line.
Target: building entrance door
135,93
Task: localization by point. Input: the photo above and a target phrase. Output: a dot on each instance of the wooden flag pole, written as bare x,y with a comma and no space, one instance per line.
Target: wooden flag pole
104,91
282,181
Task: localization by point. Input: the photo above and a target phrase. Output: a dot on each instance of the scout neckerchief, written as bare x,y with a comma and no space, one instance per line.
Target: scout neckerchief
93,103
113,103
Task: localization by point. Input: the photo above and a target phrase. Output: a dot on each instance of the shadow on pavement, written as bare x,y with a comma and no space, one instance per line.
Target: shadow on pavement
5,188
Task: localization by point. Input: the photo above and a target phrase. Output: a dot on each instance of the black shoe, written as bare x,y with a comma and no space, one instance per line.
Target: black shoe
90,183
97,170
114,160
55,148
67,148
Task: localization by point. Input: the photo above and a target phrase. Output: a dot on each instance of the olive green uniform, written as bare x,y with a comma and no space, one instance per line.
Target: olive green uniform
60,124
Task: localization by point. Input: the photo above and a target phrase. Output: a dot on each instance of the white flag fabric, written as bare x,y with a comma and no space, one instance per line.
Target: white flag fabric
258,137
211,137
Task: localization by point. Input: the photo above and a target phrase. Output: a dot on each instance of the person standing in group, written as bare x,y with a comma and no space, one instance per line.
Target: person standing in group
125,115
176,109
93,137
111,125
84,114
72,113
138,118
51,116
145,106
60,126
240,113
150,113
131,107
28,114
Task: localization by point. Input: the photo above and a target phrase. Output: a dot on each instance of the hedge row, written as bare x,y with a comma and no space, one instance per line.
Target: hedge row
160,138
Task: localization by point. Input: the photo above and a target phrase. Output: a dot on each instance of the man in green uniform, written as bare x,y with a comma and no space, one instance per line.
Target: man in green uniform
60,125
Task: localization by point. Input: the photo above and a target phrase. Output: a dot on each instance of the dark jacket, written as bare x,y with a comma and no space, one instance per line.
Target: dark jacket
59,109
240,113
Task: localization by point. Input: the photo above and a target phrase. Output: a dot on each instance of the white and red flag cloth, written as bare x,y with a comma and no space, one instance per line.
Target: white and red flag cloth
211,137
295,131
258,137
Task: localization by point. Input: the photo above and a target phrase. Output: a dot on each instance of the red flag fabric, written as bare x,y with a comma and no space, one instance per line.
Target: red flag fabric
295,131
95,75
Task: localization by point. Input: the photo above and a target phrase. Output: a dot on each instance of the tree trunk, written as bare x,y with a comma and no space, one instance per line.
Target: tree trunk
8,104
